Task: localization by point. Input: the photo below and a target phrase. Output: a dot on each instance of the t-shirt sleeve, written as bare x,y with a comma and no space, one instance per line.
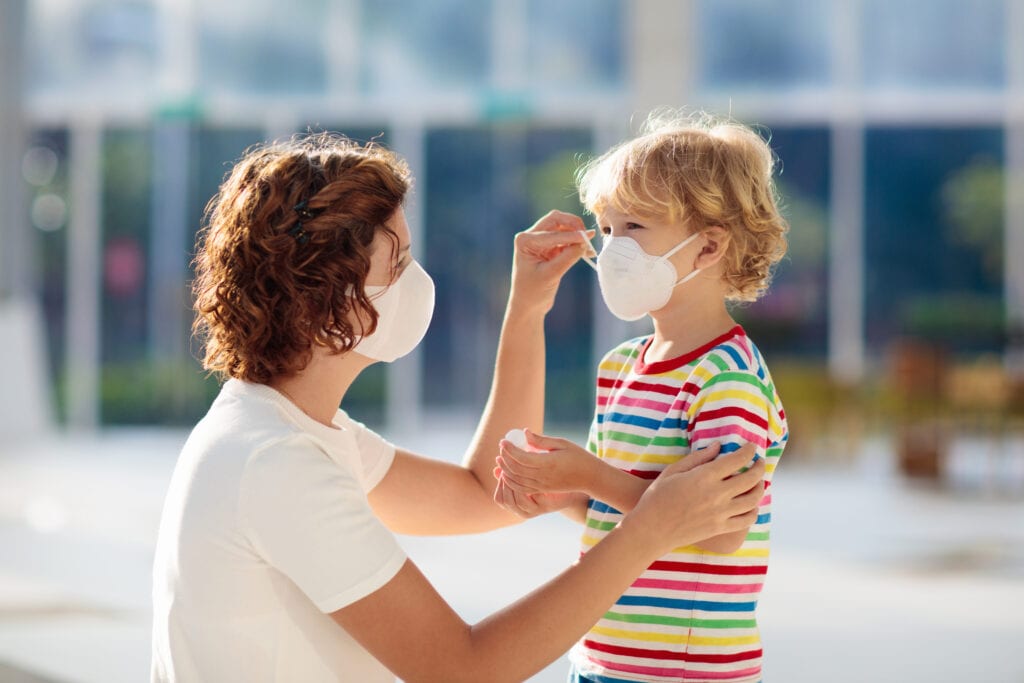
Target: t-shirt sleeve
375,452
309,518
734,408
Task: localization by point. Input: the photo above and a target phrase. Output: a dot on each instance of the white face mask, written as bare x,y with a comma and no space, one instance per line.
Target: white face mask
633,282
404,309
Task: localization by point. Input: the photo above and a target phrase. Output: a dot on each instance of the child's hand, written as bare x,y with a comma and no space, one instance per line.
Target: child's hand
531,505
563,468
543,254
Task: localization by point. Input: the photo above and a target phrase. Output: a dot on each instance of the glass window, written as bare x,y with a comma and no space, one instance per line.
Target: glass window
483,185
934,43
100,47
423,45
267,47
575,44
791,320
934,237
763,43
45,170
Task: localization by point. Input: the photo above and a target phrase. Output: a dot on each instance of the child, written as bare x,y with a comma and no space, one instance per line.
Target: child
690,222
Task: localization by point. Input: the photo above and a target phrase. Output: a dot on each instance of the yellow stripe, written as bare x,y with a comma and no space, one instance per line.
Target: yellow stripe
612,365
632,457
742,552
670,638
703,373
751,398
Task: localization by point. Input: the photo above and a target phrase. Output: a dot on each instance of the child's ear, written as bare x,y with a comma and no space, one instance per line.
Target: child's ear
716,242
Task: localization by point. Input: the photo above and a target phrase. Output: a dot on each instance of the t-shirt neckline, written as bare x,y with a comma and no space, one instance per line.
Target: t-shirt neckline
296,414
642,367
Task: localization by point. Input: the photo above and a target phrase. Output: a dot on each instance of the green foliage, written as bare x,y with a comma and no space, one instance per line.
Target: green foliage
143,393
973,202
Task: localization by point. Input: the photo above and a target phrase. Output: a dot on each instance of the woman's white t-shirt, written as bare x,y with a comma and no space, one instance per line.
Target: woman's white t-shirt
266,530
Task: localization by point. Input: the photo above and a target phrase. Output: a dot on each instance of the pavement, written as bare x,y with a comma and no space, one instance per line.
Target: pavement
872,578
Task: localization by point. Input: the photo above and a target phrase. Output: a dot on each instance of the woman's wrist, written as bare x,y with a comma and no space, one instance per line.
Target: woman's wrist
522,310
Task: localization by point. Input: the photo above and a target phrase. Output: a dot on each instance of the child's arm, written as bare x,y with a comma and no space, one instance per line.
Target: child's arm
567,467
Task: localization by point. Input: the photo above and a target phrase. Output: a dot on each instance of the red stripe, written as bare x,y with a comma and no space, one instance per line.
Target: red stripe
645,474
673,656
731,411
701,568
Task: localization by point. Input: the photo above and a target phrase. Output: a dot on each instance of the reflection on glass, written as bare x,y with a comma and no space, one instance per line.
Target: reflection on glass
928,273
416,46
791,318
267,47
761,43
483,185
934,43
576,44
100,47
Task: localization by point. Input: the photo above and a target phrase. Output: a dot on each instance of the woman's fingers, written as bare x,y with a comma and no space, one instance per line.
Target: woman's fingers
693,460
558,220
517,481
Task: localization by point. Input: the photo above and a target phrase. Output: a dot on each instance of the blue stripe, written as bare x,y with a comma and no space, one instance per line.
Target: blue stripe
740,362
764,519
601,508
635,420
674,423
576,677
670,603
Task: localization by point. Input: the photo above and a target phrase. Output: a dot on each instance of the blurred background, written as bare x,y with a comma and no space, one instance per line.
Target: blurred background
894,328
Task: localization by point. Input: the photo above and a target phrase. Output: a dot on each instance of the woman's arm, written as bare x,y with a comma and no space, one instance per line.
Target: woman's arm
460,498
413,632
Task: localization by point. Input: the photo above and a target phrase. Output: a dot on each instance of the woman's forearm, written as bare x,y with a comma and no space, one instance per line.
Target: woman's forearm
517,390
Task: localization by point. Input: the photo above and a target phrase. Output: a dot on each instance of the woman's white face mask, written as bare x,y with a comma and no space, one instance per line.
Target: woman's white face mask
404,310
633,282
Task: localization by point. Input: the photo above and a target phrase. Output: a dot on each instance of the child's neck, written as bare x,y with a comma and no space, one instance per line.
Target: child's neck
677,332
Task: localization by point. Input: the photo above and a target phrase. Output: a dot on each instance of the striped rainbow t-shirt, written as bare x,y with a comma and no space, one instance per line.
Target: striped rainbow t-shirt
690,615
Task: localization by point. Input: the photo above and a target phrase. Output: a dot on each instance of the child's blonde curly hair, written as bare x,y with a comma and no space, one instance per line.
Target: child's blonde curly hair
698,171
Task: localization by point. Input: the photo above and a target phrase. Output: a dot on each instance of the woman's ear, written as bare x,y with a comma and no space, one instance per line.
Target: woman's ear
716,242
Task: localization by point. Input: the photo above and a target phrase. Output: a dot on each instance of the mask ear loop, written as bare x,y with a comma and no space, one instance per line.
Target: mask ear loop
589,260
692,274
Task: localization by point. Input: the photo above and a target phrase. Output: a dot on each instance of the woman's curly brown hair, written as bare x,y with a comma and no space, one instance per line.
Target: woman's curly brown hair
267,290
698,171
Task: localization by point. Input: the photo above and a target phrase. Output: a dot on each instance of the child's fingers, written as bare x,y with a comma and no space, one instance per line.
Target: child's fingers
516,455
547,443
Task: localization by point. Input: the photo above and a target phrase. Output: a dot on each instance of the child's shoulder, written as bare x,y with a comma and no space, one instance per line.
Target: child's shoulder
734,354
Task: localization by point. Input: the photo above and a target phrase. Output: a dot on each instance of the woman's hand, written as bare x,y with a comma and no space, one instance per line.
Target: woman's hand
531,505
716,497
543,254
564,467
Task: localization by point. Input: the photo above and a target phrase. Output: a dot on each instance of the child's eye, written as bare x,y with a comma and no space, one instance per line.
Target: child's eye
634,226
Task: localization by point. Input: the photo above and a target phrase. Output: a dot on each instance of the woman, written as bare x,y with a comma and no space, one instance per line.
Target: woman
276,558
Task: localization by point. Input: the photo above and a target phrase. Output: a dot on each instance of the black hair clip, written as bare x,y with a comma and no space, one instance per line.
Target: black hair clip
298,231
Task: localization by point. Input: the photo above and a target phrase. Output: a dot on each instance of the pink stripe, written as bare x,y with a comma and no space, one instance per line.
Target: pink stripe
678,673
698,586
647,403
731,430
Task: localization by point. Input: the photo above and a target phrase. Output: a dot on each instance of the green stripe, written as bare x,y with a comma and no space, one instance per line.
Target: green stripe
671,441
757,536
745,378
718,362
629,438
680,621
599,525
